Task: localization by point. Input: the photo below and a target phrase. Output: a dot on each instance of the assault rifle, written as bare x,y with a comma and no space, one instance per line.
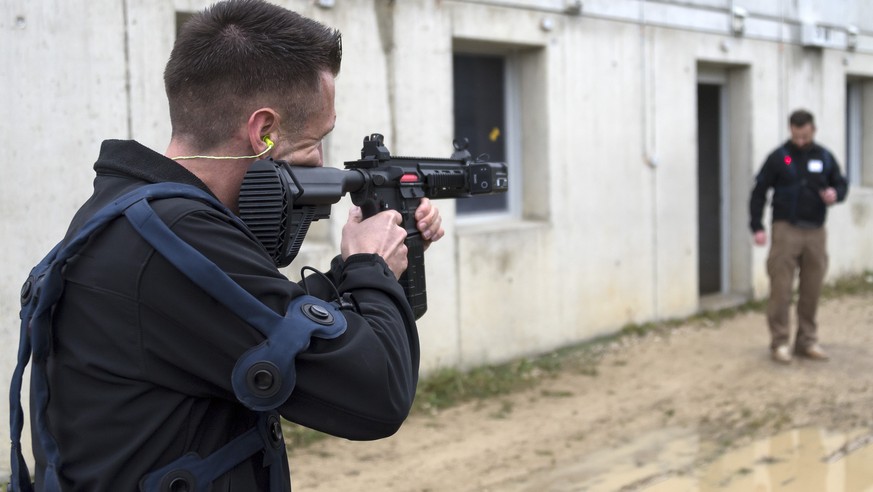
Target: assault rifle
279,201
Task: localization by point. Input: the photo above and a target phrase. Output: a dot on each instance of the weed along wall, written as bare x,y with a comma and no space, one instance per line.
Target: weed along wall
595,110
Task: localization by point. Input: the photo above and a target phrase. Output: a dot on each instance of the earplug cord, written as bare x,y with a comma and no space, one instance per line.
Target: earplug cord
265,139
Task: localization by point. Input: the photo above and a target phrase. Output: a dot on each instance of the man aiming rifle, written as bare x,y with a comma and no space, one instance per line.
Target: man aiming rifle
166,344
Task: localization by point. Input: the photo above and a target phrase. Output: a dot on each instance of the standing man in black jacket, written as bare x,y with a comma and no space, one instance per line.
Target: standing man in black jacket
806,179
141,366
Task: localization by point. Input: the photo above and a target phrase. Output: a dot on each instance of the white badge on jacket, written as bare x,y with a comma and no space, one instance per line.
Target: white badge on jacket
815,166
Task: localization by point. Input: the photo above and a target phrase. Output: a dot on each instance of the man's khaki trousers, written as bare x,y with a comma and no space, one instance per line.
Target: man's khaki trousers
792,248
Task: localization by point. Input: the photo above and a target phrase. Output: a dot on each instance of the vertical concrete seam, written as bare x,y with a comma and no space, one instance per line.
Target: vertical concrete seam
781,70
648,154
384,11
127,84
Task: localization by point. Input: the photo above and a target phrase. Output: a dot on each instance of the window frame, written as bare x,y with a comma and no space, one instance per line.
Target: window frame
513,146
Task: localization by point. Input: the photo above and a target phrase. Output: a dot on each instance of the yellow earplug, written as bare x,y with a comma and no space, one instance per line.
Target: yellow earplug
266,139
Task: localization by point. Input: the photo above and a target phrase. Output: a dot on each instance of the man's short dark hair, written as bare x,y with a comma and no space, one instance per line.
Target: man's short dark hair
801,118
239,55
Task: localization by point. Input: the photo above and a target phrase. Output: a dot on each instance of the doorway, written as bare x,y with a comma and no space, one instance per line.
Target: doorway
713,192
725,168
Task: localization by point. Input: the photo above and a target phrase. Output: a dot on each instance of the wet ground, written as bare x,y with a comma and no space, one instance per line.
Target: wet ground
700,408
800,460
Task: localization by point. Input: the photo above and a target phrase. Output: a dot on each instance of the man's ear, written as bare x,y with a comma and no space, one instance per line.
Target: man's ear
263,129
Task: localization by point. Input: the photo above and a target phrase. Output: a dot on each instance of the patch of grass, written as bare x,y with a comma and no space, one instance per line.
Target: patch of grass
650,327
849,285
717,317
449,387
633,329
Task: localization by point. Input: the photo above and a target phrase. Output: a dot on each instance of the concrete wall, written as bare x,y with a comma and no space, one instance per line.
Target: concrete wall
607,149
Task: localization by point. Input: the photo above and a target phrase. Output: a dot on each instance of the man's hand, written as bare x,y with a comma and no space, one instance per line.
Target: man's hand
429,222
380,234
828,196
760,237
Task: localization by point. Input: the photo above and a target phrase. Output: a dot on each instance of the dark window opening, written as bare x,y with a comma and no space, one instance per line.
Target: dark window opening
480,116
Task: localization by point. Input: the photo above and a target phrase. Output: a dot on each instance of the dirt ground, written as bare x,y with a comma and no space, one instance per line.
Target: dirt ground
710,382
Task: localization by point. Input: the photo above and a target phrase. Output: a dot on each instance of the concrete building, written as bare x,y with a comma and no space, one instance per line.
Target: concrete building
632,130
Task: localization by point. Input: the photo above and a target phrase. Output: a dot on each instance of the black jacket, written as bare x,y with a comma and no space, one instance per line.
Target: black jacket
140,372
796,176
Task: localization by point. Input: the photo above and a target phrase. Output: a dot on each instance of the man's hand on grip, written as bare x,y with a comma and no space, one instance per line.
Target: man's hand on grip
380,234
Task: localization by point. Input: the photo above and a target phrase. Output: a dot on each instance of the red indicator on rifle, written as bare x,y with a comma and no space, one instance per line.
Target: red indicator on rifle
409,178
787,160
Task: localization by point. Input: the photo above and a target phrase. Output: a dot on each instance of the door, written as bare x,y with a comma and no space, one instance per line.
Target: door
712,211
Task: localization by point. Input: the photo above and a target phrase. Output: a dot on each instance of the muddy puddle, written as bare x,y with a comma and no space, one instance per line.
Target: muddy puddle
800,460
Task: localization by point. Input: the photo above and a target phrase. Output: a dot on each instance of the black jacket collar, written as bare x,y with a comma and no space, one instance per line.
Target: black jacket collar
129,158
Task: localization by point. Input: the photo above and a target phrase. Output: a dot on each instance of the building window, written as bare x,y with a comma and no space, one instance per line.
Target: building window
484,102
859,130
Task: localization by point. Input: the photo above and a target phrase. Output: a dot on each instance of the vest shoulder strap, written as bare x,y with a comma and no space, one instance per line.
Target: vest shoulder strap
41,290
269,361
272,360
